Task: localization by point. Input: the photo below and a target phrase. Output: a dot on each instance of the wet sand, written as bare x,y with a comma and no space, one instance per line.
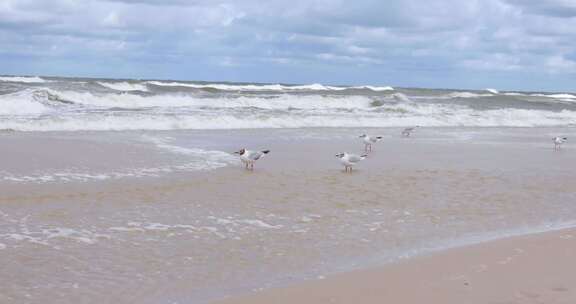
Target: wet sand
186,236
537,268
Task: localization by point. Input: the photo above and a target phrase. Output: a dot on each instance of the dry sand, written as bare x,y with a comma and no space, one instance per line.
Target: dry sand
537,268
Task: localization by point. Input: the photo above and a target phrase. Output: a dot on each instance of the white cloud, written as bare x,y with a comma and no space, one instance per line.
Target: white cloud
438,36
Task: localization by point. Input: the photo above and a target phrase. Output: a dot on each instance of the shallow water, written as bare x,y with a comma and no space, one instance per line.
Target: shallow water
188,234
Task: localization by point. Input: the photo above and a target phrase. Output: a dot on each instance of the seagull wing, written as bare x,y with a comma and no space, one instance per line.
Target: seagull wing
353,158
253,155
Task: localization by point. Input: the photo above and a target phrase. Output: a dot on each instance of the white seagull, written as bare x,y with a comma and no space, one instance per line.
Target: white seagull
406,132
369,140
349,160
250,157
558,141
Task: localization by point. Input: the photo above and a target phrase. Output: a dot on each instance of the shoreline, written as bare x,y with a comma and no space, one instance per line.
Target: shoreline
195,236
530,268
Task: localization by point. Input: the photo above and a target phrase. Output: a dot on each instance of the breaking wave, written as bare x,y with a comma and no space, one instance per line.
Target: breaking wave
124,86
22,79
468,95
61,105
42,100
268,87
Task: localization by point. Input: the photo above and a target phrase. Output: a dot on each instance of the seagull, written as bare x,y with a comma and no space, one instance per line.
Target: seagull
369,140
406,132
558,141
249,157
349,160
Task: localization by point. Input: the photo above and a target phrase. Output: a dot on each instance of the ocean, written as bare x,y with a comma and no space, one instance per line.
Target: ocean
76,104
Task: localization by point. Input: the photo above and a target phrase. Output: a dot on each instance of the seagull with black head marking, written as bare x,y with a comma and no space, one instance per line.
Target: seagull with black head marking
369,140
558,141
249,157
349,160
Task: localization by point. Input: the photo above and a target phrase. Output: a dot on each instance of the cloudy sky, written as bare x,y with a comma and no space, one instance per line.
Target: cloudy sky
502,44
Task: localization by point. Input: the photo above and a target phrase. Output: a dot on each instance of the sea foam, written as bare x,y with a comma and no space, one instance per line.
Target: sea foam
124,86
268,87
22,79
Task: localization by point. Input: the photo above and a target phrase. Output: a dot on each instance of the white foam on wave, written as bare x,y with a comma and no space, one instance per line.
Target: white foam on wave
373,88
286,102
467,95
246,87
202,161
493,91
399,115
267,87
21,103
196,160
124,86
557,96
563,96
23,79
401,97
212,158
27,102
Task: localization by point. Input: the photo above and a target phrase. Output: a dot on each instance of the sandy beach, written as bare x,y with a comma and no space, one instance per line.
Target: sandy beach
537,268
144,217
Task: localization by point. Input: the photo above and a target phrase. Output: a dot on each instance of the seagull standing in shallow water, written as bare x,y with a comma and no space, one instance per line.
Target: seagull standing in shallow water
558,141
349,160
406,132
369,140
250,157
